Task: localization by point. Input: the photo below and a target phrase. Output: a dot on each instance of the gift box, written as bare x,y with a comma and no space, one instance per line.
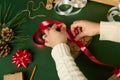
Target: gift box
15,76
108,2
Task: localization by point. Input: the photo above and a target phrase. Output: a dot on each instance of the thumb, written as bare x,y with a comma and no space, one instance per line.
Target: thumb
81,35
54,27
47,44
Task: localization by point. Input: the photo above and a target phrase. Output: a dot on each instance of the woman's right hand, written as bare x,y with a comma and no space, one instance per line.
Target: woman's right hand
82,28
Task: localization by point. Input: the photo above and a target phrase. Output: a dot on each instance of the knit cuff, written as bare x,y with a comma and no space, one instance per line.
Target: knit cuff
109,31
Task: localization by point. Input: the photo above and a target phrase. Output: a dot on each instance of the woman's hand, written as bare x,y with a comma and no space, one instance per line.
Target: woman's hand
82,28
53,37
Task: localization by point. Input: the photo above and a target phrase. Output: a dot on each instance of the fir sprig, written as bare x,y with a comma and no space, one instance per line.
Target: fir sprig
7,19
18,39
9,27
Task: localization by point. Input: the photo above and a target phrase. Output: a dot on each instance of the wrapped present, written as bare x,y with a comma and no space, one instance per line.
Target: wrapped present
15,76
108,2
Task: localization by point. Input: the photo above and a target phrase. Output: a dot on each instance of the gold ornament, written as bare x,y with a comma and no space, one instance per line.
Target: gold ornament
4,49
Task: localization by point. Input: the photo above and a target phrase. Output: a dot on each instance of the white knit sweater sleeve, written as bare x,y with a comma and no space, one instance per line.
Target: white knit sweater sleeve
65,64
110,31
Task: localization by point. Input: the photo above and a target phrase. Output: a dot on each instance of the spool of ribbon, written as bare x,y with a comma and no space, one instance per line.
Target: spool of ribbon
114,13
79,4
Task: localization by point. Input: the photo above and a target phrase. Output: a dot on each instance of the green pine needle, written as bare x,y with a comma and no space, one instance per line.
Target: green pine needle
16,19
19,39
7,15
0,13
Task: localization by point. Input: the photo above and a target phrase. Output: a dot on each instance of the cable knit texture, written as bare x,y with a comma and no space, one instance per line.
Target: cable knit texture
65,64
110,31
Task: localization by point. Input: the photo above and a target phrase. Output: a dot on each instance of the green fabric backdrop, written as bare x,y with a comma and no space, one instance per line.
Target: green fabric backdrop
106,51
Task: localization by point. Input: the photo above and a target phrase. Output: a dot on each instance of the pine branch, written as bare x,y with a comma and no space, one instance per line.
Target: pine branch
22,37
16,18
0,15
17,24
4,10
7,13
6,20
19,39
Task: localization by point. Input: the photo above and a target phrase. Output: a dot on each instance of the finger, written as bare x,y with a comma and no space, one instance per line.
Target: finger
81,35
47,44
44,36
63,25
73,28
76,21
46,41
46,32
54,27
63,28
78,30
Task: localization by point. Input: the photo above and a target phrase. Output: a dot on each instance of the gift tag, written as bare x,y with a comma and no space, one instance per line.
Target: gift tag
113,77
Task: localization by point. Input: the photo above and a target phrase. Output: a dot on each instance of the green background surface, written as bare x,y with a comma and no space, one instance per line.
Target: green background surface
106,51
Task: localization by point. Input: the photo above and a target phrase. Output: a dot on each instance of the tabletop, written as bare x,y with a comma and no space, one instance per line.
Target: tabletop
106,51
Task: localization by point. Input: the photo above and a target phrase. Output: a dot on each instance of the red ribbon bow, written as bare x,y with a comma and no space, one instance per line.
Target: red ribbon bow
21,58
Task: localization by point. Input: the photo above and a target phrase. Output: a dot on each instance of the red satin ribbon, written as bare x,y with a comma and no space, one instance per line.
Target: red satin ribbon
45,25
83,48
116,71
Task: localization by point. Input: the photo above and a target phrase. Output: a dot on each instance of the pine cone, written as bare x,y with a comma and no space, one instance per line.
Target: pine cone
4,49
7,34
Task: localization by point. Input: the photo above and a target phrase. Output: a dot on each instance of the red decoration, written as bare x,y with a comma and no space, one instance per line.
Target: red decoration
21,58
116,71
